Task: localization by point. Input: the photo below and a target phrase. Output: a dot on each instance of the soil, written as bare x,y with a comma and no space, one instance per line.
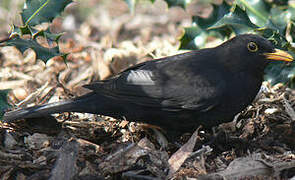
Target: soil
102,39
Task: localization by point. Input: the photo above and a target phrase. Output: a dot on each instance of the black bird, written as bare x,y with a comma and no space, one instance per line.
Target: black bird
177,93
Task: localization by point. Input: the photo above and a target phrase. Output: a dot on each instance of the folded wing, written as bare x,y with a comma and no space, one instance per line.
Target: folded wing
166,85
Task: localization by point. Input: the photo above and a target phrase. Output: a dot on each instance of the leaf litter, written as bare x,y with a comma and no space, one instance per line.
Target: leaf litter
258,144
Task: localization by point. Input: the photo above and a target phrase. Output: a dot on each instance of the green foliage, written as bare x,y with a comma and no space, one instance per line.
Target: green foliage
189,39
273,20
41,52
236,21
39,11
219,11
34,13
3,101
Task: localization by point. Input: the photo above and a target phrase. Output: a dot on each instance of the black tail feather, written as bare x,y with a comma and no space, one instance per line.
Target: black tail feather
74,105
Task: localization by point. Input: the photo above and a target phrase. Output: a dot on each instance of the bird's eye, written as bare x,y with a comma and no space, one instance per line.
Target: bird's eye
252,47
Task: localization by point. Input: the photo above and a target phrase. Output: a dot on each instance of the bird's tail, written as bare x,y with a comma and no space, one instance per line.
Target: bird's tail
80,104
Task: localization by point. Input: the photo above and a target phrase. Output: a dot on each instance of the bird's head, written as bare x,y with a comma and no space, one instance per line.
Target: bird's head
251,52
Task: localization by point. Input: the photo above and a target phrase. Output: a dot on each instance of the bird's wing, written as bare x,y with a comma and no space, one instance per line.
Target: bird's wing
173,84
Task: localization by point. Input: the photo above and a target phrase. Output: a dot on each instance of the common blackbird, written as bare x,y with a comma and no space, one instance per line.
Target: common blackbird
177,93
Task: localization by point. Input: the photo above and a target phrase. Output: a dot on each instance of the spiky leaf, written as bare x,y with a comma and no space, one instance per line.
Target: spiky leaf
41,52
39,11
280,72
193,38
219,11
237,20
34,33
257,11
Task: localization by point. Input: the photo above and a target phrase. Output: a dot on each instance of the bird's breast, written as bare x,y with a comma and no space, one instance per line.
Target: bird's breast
242,89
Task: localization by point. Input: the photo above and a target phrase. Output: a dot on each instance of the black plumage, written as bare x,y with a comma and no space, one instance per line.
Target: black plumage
177,93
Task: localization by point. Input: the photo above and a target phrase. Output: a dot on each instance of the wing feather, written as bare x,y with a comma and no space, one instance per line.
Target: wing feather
172,84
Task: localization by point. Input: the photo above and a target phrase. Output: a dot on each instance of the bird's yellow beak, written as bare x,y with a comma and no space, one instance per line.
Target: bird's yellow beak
279,55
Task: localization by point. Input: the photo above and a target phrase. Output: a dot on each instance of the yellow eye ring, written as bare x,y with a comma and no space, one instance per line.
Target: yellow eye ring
252,47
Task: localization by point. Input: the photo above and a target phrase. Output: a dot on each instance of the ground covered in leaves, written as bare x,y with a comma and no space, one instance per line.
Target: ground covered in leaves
259,143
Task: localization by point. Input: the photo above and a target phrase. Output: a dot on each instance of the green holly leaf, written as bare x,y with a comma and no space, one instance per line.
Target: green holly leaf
36,12
279,20
34,33
237,20
257,11
50,37
19,30
3,101
193,38
278,72
196,37
219,11
39,11
41,52
273,35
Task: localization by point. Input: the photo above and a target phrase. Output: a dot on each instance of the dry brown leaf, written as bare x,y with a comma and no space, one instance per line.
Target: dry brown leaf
255,165
178,158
